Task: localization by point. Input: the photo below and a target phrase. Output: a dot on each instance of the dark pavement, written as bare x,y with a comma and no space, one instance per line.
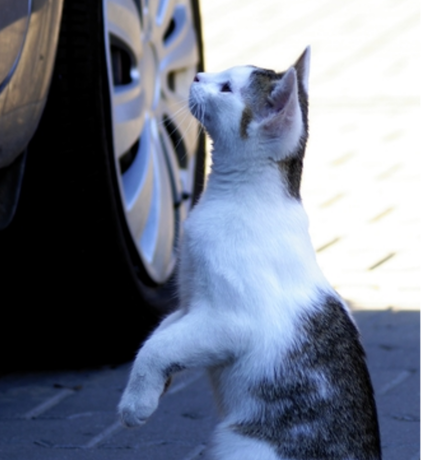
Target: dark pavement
72,415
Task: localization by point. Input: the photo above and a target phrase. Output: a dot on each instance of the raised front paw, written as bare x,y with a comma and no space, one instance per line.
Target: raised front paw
135,409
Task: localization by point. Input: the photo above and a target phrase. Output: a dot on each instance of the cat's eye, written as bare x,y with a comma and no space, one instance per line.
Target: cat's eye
226,88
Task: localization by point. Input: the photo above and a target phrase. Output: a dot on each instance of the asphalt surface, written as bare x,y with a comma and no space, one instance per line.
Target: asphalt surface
360,176
73,415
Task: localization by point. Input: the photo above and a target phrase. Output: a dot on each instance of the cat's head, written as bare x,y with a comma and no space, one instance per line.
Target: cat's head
253,113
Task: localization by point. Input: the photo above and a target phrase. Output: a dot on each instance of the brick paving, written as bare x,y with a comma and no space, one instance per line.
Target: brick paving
361,182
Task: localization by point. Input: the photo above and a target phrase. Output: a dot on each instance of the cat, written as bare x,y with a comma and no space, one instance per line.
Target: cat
282,351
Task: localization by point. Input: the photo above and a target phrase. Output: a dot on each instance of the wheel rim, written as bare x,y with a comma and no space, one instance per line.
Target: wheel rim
152,56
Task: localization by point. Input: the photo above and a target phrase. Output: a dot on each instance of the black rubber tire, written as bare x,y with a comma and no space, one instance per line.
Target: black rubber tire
73,289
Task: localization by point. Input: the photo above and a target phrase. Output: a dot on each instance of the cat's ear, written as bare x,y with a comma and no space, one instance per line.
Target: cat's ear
302,66
284,105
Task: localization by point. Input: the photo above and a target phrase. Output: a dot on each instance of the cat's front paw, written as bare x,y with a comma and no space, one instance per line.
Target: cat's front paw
129,418
134,410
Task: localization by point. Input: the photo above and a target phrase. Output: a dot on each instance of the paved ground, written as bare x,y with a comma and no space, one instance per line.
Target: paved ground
71,415
362,174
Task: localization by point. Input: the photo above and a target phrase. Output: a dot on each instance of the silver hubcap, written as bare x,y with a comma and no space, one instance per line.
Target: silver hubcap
152,57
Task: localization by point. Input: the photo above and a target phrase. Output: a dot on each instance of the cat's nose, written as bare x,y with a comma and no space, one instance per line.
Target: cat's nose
196,78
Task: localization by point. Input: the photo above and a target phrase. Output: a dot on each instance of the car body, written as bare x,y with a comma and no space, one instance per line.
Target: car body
28,41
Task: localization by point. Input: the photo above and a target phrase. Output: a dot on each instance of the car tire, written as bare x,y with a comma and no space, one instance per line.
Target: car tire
75,280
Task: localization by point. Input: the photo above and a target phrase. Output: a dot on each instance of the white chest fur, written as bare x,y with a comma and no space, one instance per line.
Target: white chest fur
247,247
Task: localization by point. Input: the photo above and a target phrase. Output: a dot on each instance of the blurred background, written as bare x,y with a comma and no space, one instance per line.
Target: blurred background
361,183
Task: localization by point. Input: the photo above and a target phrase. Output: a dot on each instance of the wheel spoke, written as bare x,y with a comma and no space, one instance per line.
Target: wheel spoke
179,50
138,183
129,116
164,13
123,22
172,162
157,240
124,33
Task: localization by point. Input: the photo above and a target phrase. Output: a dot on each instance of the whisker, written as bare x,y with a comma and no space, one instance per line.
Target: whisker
200,130
177,127
174,114
184,135
199,110
179,105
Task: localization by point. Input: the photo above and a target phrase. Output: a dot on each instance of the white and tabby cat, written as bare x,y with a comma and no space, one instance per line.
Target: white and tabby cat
283,354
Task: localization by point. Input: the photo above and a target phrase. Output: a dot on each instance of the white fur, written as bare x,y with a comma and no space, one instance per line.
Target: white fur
247,270
228,445
214,105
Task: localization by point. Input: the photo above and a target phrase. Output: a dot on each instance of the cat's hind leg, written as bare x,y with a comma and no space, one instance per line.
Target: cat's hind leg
228,445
